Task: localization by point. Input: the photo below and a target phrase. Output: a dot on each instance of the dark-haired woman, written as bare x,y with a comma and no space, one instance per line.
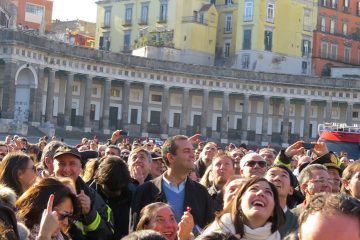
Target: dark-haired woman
254,214
31,204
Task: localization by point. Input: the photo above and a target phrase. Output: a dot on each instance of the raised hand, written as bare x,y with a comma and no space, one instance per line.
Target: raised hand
84,201
185,225
49,221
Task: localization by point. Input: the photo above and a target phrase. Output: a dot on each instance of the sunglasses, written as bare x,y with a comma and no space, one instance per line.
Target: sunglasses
64,215
261,164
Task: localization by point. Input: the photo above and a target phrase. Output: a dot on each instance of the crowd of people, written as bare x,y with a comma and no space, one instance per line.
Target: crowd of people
185,189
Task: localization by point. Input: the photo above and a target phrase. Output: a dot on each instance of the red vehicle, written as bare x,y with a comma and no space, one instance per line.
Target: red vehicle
341,137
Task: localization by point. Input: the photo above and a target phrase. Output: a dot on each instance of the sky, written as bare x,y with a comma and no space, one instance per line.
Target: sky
74,9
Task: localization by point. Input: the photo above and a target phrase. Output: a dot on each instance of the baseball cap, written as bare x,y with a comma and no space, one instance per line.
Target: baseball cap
67,150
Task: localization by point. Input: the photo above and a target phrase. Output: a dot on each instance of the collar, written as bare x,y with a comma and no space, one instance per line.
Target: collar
172,186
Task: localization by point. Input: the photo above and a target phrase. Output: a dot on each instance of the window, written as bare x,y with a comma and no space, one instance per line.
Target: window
323,3
163,12
268,40
201,18
133,116
307,20
156,98
155,117
248,12
323,24
107,17
239,124
94,91
127,40
334,49
245,61
346,5
270,11
228,2
104,42
75,88
176,123
128,15
334,3
34,9
324,50
144,14
227,50
218,124
359,56
355,115
115,92
332,26
92,111
345,28
304,67
247,39
347,54
228,23
306,48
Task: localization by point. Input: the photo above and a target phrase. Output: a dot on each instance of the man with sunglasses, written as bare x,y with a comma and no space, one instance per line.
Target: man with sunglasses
251,165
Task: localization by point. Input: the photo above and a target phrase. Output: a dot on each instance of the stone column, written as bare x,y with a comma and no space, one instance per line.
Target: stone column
125,105
225,118
245,115
349,112
9,91
204,112
106,106
307,107
68,101
50,97
145,111
87,103
265,121
36,107
185,111
285,133
165,112
328,111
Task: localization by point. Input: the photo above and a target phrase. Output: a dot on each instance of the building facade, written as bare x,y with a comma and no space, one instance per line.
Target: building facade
48,82
337,36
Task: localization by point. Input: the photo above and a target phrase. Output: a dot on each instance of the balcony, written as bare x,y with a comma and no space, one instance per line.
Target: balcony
226,6
162,19
193,19
127,23
105,25
143,21
228,30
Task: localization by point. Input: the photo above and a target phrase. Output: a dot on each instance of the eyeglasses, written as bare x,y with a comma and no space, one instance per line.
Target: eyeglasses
62,216
322,180
261,164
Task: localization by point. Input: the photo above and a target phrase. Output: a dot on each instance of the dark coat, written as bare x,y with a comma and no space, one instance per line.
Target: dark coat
290,225
200,168
196,197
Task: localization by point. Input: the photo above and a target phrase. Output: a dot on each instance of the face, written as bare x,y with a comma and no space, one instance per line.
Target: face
258,204
64,210
281,179
269,157
353,185
332,226
148,146
336,180
164,221
231,189
3,152
320,182
256,166
27,176
111,151
157,168
222,170
67,165
237,155
184,157
209,151
140,160
345,161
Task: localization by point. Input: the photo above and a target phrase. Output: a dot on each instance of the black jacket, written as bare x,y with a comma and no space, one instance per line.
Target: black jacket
196,197
200,167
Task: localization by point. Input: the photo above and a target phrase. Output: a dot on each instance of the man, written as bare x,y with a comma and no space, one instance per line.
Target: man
47,158
139,163
157,166
3,150
222,169
313,179
302,160
344,161
96,216
206,156
237,154
285,182
174,186
330,216
269,154
251,165
112,150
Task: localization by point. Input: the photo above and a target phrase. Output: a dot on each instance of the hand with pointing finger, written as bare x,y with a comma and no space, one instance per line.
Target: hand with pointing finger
49,224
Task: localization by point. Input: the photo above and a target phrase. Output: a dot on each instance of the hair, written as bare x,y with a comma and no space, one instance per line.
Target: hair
113,172
7,196
90,169
267,149
237,216
331,204
147,234
205,179
114,147
34,149
347,174
140,149
217,236
222,155
147,213
171,147
9,167
49,151
306,173
31,204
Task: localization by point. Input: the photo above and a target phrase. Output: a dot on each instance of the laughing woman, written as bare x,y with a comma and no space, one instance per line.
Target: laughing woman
254,214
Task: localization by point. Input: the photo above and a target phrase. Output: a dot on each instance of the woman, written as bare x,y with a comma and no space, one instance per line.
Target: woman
231,187
254,214
351,180
161,218
17,171
32,203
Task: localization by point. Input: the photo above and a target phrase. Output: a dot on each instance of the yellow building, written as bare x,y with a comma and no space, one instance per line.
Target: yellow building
266,35
175,30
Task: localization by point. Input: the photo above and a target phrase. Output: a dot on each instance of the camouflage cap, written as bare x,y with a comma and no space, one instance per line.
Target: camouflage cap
67,150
